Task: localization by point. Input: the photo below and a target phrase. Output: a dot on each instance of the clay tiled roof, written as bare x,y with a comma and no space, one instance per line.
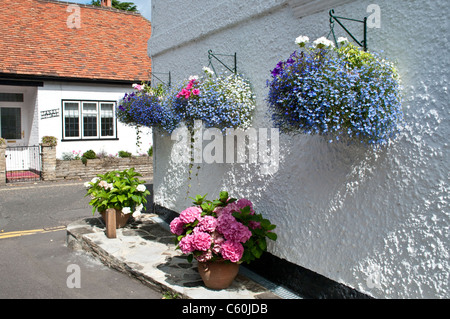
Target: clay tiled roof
41,38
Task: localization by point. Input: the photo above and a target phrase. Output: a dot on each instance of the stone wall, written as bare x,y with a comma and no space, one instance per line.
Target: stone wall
48,162
75,169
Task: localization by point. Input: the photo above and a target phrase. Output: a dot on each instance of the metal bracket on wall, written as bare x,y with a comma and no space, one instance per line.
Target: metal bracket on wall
212,56
333,18
168,83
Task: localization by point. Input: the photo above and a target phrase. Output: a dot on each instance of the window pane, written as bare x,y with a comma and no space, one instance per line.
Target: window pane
11,97
89,119
10,123
107,119
71,119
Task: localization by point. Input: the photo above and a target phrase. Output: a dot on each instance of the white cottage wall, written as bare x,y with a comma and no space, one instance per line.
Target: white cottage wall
377,221
50,97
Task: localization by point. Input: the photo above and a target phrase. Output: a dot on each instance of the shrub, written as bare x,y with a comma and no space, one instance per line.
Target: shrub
49,140
150,151
89,154
122,190
67,156
124,154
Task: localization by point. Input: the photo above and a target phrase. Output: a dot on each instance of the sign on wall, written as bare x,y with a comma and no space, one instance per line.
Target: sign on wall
49,114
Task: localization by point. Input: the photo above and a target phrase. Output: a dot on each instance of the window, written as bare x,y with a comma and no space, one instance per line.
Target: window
11,97
10,123
90,114
71,119
107,119
89,120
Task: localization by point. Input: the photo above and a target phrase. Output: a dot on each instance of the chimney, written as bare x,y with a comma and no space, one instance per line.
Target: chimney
106,3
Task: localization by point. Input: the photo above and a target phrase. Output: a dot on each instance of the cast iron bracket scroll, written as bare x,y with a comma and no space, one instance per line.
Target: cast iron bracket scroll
212,56
168,83
362,43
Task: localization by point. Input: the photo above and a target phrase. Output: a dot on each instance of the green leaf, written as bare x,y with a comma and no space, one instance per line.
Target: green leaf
256,251
262,244
272,236
223,196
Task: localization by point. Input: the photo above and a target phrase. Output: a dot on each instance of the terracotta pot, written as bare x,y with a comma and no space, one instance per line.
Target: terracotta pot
121,218
218,274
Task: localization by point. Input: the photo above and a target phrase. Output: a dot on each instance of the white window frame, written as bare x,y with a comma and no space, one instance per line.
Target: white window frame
81,111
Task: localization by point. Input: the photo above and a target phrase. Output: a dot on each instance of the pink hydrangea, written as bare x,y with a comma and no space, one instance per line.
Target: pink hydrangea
207,255
218,240
201,241
232,229
254,225
186,244
176,226
244,202
207,224
218,211
230,208
189,215
232,251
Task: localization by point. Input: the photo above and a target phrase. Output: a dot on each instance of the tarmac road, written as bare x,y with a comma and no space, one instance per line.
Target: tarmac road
35,261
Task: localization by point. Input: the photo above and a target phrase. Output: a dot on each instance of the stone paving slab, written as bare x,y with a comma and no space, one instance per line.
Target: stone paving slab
144,249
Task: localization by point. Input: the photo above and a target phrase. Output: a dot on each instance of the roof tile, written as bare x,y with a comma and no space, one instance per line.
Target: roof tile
36,39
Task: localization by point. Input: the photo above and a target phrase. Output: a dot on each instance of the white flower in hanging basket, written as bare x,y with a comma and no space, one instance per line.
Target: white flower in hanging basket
323,43
342,40
302,40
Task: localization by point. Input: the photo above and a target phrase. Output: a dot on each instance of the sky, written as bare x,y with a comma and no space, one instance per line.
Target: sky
144,6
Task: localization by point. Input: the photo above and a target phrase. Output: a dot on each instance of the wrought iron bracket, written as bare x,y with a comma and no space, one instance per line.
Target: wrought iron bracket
212,56
169,75
333,18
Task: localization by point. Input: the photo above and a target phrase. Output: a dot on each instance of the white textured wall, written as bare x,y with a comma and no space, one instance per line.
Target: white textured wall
50,97
375,221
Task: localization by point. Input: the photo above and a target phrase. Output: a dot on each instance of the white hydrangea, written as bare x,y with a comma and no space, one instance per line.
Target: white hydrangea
141,188
126,210
95,180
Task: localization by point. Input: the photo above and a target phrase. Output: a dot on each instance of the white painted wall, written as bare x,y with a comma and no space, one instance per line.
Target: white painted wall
50,97
375,221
